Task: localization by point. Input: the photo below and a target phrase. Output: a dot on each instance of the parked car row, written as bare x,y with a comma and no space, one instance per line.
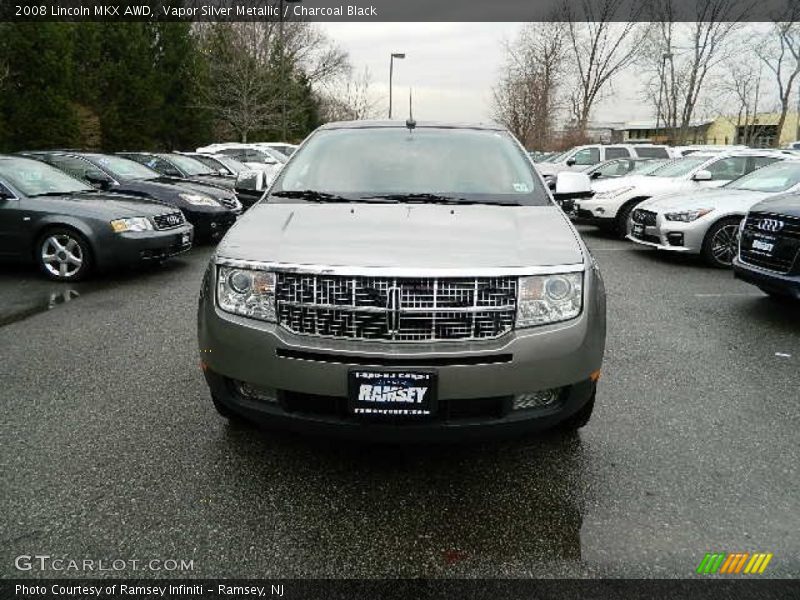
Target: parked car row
738,208
72,212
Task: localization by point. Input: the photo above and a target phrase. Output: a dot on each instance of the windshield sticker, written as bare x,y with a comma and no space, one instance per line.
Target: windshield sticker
521,188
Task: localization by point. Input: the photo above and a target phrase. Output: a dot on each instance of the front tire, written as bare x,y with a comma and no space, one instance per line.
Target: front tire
63,255
621,221
580,418
722,243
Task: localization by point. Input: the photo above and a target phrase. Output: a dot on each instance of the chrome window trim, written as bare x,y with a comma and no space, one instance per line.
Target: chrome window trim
400,271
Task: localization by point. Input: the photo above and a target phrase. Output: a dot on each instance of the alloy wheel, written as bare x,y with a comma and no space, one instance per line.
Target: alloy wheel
725,244
62,255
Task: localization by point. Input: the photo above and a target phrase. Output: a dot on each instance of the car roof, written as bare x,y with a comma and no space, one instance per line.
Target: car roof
401,124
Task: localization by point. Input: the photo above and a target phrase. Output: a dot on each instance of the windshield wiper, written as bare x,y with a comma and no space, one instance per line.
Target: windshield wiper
67,193
313,196
424,198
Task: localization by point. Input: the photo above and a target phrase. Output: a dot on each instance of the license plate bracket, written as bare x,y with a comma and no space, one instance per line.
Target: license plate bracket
390,393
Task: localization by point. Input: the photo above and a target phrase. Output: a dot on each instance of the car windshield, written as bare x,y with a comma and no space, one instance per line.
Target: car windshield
34,178
187,164
425,164
274,153
644,167
555,157
123,168
679,167
231,164
778,177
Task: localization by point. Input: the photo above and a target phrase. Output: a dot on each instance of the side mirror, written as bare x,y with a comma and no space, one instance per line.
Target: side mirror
570,162
596,175
249,181
571,185
702,175
98,179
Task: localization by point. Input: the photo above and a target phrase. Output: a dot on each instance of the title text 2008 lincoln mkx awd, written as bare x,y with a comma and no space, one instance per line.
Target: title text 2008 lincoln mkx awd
405,281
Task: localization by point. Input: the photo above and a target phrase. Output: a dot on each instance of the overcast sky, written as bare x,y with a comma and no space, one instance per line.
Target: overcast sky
451,68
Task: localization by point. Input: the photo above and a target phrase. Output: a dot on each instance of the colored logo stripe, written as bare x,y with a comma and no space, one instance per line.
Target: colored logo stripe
734,563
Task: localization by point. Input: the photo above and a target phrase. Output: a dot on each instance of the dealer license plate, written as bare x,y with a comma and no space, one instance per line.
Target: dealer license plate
638,230
392,393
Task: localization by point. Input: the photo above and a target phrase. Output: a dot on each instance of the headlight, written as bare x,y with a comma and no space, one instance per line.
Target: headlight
549,298
199,199
687,216
246,292
613,193
131,224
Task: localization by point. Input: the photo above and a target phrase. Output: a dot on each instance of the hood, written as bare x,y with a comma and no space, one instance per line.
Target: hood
219,181
402,235
605,185
726,199
107,205
550,168
782,204
642,184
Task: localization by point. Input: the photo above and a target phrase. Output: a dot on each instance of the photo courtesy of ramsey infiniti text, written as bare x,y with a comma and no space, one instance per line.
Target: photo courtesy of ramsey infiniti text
406,282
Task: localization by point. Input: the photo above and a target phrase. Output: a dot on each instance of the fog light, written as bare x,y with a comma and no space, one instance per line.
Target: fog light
535,399
254,392
675,239
600,210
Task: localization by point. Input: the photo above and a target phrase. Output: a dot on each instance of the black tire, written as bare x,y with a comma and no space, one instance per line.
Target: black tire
71,254
722,243
580,418
233,417
621,221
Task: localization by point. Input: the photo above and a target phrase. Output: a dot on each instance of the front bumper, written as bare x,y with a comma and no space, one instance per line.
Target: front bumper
784,284
132,248
476,380
210,225
672,236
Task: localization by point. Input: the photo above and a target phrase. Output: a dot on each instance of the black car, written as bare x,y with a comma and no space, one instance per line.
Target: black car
68,228
769,246
250,184
181,166
201,204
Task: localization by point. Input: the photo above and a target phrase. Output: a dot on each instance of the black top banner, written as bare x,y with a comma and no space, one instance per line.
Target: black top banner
398,10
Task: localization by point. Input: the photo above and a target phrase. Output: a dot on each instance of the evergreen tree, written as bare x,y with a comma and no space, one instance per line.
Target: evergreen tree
36,104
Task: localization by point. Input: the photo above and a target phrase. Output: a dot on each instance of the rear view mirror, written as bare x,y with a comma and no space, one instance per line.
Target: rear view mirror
250,181
570,162
702,175
572,185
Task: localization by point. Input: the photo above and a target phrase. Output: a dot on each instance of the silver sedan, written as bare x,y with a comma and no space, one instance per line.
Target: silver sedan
707,222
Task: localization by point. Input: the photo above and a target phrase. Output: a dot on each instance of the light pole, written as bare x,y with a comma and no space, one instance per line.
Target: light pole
394,55
661,85
283,64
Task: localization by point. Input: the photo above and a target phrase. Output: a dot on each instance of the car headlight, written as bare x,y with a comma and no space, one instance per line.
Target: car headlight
199,199
131,224
687,216
613,193
549,298
246,292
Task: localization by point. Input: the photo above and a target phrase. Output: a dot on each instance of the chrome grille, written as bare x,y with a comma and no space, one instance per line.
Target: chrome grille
400,309
168,221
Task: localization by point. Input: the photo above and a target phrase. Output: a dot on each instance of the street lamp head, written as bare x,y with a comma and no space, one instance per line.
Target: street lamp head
398,55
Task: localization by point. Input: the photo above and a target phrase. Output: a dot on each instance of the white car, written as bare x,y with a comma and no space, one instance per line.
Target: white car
707,221
261,159
681,151
583,157
615,199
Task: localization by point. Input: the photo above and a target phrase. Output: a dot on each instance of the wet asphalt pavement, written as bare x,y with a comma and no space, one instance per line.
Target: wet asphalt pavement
112,450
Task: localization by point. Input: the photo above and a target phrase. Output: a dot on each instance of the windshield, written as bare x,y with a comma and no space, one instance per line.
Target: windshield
123,168
34,178
276,154
778,177
555,157
188,165
465,164
644,167
231,164
679,167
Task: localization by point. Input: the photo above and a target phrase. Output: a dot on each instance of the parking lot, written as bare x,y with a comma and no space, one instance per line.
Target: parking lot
112,449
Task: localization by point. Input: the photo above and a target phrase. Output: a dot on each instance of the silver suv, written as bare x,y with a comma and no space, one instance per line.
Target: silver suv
404,281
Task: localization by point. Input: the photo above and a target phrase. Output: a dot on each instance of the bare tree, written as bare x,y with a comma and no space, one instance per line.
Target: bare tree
601,46
250,74
349,99
525,98
682,55
781,55
743,82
